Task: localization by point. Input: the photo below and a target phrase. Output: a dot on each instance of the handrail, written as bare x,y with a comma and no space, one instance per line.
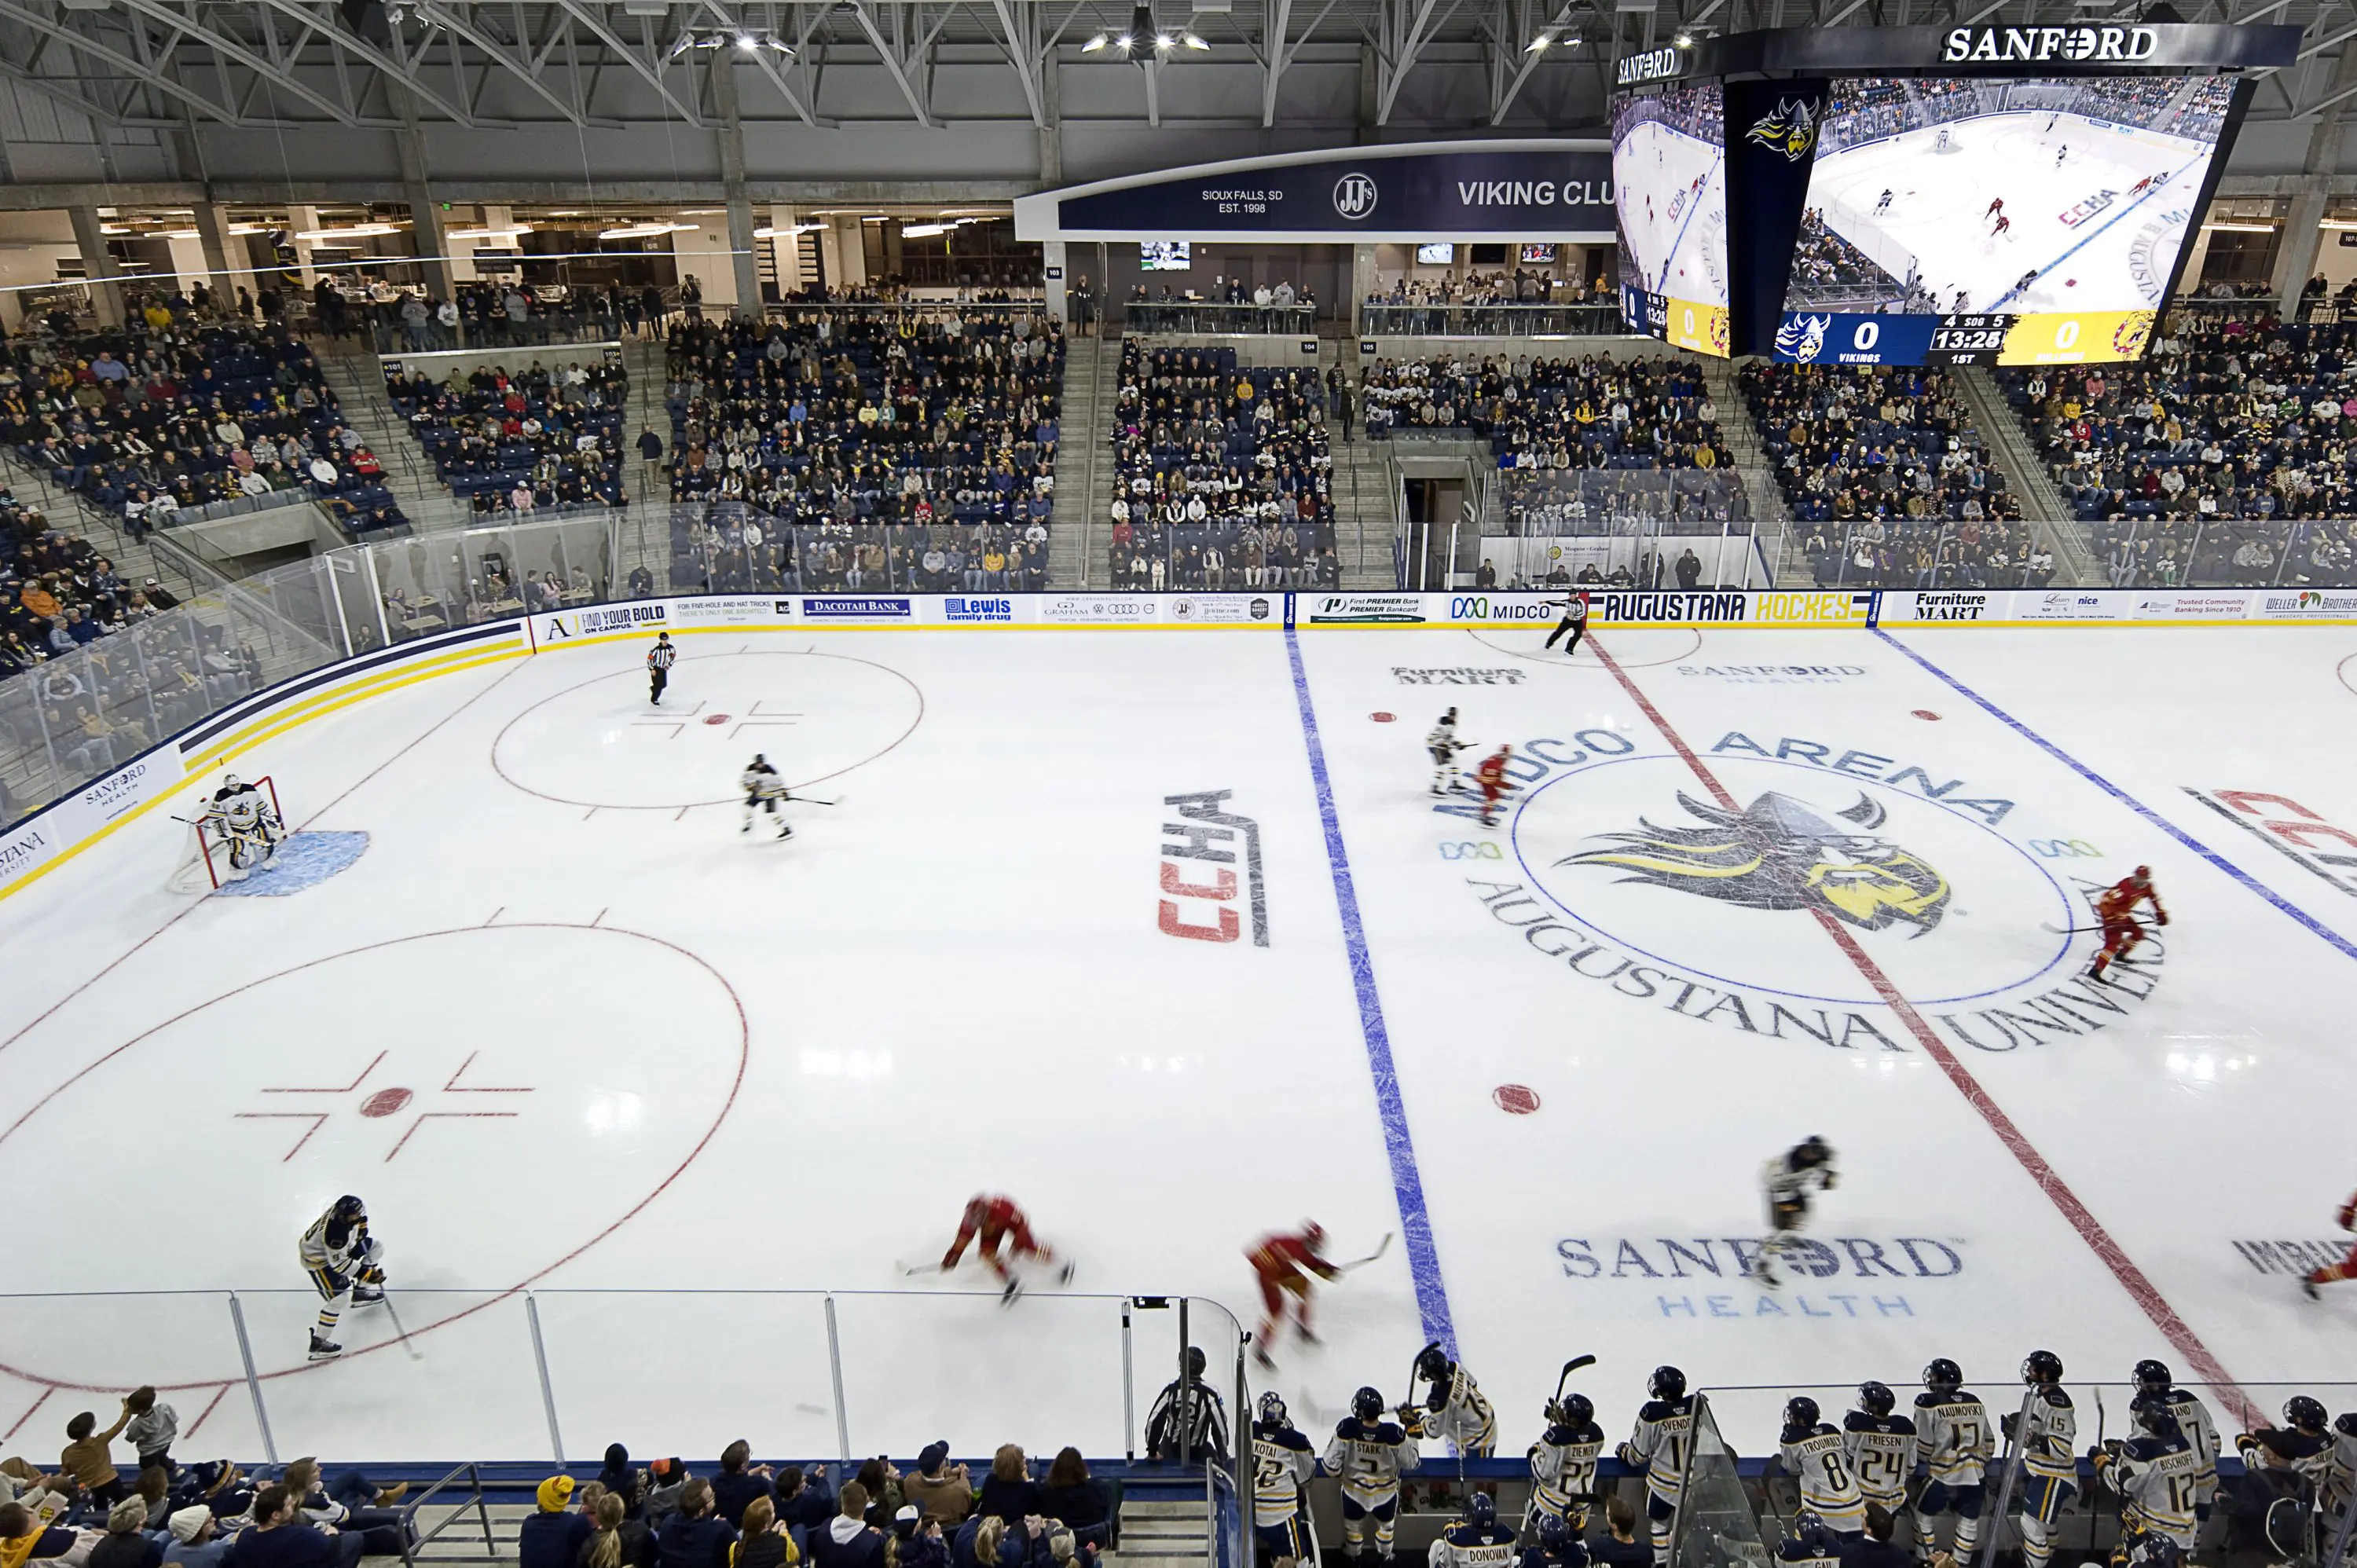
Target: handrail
411,1541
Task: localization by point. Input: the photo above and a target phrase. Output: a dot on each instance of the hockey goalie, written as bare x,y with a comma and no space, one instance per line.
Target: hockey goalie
235,834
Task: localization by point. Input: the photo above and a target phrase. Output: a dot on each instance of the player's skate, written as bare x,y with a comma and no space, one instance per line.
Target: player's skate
1014,1288
324,1349
1064,1274
368,1295
1763,1273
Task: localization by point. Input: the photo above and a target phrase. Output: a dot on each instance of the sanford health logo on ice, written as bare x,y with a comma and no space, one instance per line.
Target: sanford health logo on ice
1698,1277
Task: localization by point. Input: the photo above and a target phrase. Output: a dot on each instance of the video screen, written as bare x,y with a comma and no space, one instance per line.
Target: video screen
1434,255
1165,256
2020,220
1535,255
1669,192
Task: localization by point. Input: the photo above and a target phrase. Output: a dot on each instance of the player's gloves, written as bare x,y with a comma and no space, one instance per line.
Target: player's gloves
1832,1180
2162,916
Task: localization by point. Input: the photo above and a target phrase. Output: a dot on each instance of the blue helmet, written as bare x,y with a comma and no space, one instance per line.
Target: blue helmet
1481,1508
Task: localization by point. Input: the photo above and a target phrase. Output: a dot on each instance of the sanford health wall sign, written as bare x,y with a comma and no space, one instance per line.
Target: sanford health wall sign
1550,189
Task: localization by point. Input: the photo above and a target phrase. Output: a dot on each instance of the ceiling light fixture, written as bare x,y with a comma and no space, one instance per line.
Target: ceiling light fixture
355,231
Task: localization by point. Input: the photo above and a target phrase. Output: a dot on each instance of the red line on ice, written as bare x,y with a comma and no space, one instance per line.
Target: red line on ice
2090,1230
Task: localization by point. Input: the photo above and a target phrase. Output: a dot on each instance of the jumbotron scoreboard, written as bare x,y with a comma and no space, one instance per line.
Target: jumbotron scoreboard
1907,196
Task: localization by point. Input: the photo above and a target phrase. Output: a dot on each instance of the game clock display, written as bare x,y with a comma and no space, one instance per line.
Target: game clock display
1968,339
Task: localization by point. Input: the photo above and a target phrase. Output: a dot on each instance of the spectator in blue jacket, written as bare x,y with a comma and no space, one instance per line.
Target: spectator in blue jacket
553,1537
622,1480
197,1541
736,1485
804,1503
1009,1493
848,1541
694,1537
281,1538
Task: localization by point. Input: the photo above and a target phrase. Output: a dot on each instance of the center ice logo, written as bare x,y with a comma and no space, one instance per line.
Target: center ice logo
1791,128
1779,853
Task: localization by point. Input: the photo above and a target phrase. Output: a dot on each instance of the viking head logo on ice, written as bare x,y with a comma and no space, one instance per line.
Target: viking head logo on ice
1779,853
1791,129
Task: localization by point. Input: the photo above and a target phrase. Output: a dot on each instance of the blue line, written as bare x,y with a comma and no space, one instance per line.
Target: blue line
1416,1224
2097,233
2130,802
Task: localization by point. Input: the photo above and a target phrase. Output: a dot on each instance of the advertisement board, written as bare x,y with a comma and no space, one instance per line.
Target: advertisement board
32,843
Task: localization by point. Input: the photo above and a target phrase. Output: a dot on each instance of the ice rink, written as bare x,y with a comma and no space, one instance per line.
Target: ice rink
565,1028
2097,241
1674,229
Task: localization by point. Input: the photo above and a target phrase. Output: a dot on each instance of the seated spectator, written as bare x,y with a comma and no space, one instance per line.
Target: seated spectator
618,1541
763,1543
882,1481
941,1491
804,1502
694,1537
281,1538
353,1504
987,1540
1072,1495
1008,1492
24,1537
197,1541
848,1541
735,1485
125,1544
552,1537
917,1541
1621,1548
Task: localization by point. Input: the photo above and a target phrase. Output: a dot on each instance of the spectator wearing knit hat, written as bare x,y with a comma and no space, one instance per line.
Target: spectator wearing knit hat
552,1537
195,1539
124,1544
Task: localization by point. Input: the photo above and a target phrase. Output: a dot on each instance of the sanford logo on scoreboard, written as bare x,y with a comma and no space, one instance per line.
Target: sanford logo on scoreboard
2074,45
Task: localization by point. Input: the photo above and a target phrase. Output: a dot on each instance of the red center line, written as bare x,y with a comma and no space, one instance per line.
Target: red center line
2132,1279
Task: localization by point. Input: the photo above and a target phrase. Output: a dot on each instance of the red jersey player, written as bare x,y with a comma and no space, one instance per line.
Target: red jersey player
2117,906
1285,1264
990,1220
2346,1268
1491,775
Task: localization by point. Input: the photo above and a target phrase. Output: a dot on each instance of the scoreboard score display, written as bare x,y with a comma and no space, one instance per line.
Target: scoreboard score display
1913,196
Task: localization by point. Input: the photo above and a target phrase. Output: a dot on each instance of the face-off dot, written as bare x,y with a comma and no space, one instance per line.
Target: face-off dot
1515,1099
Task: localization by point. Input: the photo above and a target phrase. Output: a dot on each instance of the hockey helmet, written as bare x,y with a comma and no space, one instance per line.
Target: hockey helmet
1481,1509
2041,1367
1432,1363
1812,1150
1876,1399
1801,1412
2153,1376
2152,1415
2304,1413
1554,1532
1572,1410
1367,1404
1666,1383
1272,1408
1195,1361
349,1208
1944,1375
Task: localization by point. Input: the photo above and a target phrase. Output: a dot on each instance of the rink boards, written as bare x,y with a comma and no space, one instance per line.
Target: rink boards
64,828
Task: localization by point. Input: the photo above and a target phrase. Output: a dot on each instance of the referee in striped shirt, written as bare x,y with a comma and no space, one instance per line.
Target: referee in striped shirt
659,659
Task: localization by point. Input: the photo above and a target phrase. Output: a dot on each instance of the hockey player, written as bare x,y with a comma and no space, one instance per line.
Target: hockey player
2153,1474
1559,1545
2282,1469
1563,1465
1658,1447
1575,621
342,1259
1999,229
2346,1268
1454,1408
989,1221
1880,1445
1995,206
2063,153
660,658
1883,205
1368,1455
2115,909
2155,1380
1811,1540
1491,776
1283,1459
1814,1454
1444,744
2049,1460
1788,1182
763,792
1954,1441
1476,1541
242,818
1284,1264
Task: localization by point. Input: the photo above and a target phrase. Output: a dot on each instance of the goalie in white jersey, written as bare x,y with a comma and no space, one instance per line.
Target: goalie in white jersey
241,817
1814,1452
1444,744
764,790
1454,1408
1563,1463
1370,1454
2050,1459
1282,1460
1788,1181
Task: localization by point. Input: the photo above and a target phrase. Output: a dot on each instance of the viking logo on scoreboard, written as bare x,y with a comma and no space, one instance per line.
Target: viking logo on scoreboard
1789,128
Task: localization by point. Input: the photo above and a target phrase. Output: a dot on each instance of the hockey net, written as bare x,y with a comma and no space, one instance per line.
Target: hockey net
206,861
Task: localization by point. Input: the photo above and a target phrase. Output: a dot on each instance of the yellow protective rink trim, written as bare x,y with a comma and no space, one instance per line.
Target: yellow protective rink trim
272,722
339,696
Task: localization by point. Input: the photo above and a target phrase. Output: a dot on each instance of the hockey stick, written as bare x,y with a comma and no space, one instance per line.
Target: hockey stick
912,1269
2067,931
2093,1502
1577,1363
810,799
399,1332
1381,1248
